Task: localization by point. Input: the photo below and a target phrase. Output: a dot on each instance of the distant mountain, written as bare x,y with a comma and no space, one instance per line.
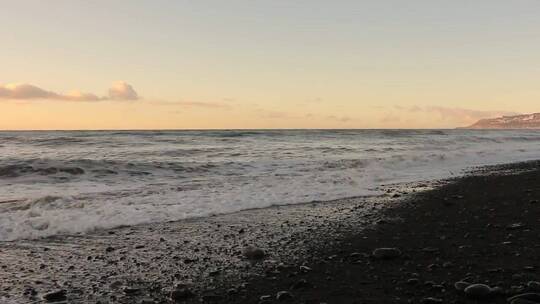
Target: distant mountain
525,121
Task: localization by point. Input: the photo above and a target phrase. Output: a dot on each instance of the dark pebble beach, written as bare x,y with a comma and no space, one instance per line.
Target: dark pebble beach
473,239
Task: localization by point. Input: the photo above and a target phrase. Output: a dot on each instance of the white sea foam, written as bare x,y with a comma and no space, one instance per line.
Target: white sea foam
66,182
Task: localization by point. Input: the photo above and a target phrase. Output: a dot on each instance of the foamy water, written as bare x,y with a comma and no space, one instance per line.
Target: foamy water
70,182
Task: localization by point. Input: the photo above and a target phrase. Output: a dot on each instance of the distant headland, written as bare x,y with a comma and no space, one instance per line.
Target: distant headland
524,121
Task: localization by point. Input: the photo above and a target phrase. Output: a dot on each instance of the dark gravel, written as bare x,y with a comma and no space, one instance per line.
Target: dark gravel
473,240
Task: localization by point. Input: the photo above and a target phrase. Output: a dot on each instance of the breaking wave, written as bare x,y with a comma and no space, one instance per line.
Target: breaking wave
74,182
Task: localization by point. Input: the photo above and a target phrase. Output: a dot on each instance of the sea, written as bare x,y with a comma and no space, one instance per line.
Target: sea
70,182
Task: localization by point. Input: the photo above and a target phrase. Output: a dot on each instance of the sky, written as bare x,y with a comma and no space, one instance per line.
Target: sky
133,64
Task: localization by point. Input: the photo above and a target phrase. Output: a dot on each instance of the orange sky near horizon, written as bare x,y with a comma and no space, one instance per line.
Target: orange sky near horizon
259,65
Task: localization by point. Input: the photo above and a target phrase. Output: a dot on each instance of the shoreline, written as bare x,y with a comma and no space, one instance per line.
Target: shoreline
153,258
479,229
333,241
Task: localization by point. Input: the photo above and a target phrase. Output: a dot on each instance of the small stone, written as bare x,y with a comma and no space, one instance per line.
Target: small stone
431,300
211,298
182,294
265,298
438,287
533,286
147,301
56,296
301,284
448,265
522,301
478,291
283,296
515,226
430,250
386,253
497,290
413,281
304,269
461,285
131,290
254,253
531,296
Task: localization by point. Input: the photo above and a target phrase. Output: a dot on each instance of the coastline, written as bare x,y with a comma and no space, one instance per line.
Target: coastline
333,241
479,229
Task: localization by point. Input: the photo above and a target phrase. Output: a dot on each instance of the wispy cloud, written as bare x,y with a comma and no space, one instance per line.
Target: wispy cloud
466,115
339,118
191,104
21,91
454,113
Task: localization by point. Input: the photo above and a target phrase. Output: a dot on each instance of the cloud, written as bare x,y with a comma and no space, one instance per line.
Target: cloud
25,91
22,91
455,114
270,114
122,91
339,118
80,96
192,104
390,119
465,115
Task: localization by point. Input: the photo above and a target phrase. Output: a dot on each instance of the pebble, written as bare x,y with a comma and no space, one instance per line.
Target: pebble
211,298
304,269
131,290
515,226
531,296
182,294
478,291
56,296
461,285
533,285
254,253
283,296
431,300
386,253
522,301
301,284
265,298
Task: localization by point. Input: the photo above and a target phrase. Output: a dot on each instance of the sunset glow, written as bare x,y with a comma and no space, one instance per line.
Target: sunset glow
271,64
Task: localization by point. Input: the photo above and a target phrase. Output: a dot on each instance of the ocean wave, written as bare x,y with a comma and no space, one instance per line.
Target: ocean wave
92,169
72,182
62,140
18,170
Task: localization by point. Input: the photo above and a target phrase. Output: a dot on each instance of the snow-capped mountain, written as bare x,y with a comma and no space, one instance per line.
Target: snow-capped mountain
525,121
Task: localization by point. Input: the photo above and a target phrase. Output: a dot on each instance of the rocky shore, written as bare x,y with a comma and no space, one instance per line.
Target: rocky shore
472,240
177,261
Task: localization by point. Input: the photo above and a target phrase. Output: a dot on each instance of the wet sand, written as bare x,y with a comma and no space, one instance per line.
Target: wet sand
479,229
